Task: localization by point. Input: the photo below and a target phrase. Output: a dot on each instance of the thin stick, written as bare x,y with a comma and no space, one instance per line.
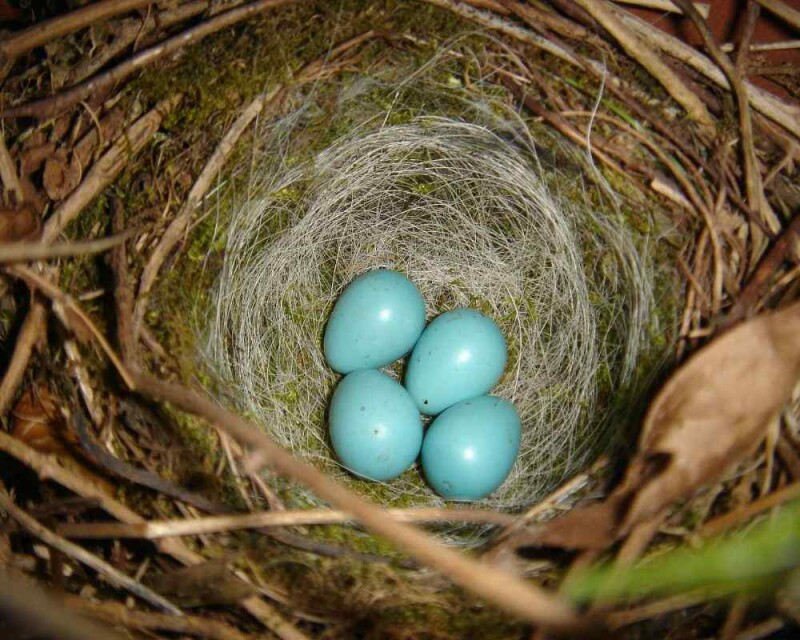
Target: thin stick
735,617
28,251
510,29
58,296
505,538
755,191
664,5
118,614
657,608
108,167
505,590
44,615
180,223
123,296
8,171
761,630
785,115
783,11
30,333
216,524
47,107
743,514
80,554
766,270
176,229
43,32
132,32
642,53
48,469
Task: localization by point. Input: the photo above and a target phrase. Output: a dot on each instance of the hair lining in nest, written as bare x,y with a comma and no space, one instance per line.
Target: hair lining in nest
461,207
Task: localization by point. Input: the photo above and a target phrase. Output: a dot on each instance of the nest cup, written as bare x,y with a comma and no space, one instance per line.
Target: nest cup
460,205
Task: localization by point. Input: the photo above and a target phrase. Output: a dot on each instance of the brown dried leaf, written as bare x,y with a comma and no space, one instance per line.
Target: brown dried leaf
37,422
34,157
710,415
209,583
715,410
21,223
61,176
110,127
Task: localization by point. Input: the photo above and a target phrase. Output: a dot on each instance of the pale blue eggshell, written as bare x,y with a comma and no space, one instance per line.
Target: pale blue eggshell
470,449
375,428
460,355
376,320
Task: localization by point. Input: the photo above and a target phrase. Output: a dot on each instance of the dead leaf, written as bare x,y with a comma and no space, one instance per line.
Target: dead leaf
37,422
21,223
33,157
61,175
209,583
710,415
110,127
714,411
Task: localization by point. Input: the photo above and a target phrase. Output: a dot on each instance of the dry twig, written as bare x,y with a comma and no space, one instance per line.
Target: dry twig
30,333
48,469
28,251
59,297
216,524
43,32
782,10
47,107
8,172
108,167
755,191
641,52
740,516
80,554
180,223
119,615
503,589
787,116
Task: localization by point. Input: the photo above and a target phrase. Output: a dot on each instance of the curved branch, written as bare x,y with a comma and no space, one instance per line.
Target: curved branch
48,107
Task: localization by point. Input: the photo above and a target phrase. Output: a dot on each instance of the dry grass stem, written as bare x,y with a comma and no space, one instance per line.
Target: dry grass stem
780,112
114,576
516,596
55,294
47,30
784,11
665,5
107,167
216,524
48,107
118,614
28,251
756,199
48,468
8,171
640,51
747,512
179,224
30,333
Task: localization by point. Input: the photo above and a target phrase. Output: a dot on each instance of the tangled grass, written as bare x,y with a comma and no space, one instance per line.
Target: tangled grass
461,207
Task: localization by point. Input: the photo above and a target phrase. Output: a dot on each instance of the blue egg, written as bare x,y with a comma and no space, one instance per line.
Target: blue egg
470,449
460,355
375,321
376,430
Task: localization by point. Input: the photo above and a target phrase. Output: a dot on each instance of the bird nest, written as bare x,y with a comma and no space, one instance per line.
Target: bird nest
460,203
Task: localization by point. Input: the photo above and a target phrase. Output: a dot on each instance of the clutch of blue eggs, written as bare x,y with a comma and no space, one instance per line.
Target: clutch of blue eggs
376,429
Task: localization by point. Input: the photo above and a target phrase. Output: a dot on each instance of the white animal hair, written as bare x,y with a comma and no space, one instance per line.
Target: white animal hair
462,208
